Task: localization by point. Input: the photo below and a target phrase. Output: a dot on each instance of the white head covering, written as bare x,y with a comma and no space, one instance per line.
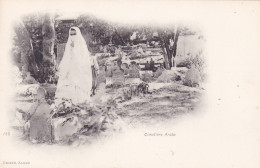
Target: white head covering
75,75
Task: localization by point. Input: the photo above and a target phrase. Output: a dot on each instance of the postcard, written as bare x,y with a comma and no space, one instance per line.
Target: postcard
129,84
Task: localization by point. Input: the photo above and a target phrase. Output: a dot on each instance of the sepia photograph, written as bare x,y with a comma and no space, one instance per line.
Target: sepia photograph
129,84
81,77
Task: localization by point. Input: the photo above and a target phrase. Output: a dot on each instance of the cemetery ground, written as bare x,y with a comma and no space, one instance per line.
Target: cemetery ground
169,96
166,101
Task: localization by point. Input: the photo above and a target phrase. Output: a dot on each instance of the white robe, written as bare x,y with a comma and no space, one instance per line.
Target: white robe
75,75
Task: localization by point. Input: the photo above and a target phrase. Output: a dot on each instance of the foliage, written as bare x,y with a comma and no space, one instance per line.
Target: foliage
30,45
192,77
33,24
34,31
197,61
21,45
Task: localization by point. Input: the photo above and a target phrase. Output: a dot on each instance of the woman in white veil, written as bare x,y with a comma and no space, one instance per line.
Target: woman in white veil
75,74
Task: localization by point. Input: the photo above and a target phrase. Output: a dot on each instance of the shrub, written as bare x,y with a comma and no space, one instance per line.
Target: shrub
197,62
192,77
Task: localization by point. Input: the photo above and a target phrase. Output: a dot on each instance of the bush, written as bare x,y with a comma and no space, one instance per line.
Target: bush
197,62
192,78
184,63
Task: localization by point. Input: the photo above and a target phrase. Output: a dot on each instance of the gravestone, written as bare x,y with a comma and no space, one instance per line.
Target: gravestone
134,75
40,124
134,71
60,52
158,72
118,76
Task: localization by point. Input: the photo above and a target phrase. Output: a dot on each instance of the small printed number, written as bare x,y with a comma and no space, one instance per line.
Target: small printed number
6,134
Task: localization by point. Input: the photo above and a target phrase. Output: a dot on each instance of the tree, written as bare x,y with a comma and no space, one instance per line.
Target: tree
169,40
34,40
48,33
23,49
36,35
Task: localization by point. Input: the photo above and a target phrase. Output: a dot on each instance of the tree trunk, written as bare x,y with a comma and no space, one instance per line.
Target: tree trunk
164,45
166,56
48,40
26,49
175,46
170,48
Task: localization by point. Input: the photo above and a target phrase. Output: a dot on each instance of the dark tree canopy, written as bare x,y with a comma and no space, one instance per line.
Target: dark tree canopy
37,35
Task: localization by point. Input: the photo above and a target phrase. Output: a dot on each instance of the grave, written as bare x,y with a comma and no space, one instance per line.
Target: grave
134,75
118,76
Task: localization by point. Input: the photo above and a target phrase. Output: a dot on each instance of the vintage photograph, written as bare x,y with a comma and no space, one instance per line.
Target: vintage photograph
79,77
129,84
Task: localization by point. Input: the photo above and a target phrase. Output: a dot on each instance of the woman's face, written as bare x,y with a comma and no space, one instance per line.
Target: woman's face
73,32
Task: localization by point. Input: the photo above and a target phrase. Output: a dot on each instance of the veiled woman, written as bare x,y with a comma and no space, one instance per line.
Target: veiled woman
75,74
